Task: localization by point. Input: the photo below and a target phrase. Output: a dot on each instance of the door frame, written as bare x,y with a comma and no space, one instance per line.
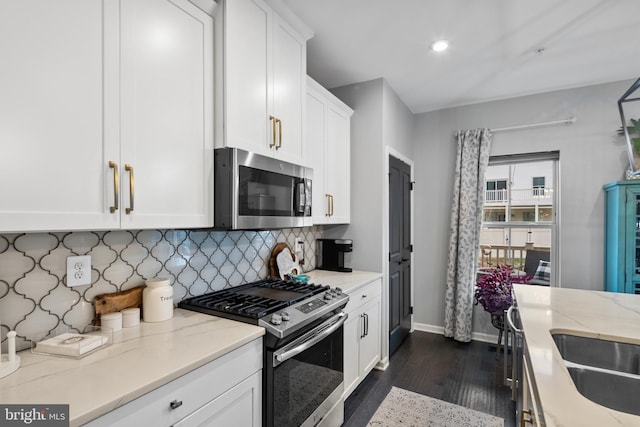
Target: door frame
391,152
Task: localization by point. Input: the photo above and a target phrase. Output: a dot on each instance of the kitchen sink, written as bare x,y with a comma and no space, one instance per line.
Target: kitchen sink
613,355
605,372
615,391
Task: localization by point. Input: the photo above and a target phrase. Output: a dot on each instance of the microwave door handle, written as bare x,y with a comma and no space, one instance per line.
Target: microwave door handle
300,199
284,355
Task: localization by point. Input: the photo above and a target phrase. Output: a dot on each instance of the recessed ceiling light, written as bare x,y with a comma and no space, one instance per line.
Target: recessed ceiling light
440,45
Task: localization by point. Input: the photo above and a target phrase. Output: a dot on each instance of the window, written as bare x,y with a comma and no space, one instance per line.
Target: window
519,211
538,186
496,190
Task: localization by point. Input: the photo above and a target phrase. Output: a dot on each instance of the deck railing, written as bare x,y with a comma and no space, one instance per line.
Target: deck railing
519,196
515,256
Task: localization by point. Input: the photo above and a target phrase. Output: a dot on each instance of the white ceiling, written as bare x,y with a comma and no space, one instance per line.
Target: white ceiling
492,52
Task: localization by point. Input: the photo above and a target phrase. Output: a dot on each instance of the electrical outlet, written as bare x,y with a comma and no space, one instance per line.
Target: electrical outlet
299,250
78,270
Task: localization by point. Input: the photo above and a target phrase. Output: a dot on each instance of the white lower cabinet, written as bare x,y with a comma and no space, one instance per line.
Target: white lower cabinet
239,406
225,392
361,334
531,414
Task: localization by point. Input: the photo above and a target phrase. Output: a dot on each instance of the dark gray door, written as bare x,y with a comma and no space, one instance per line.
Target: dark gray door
399,252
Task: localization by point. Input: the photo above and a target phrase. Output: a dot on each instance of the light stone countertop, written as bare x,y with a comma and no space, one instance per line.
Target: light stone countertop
140,360
348,282
603,315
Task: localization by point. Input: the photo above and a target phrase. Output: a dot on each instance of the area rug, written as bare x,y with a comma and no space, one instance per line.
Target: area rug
406,408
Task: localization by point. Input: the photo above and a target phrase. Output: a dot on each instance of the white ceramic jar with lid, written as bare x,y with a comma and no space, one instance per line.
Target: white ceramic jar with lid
111,321
130,317
157,300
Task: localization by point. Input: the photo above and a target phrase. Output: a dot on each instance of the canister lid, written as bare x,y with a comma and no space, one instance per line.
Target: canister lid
132,311
158,281
111,316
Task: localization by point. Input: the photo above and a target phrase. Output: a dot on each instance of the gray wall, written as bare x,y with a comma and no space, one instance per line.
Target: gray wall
380,119
591,154
366,174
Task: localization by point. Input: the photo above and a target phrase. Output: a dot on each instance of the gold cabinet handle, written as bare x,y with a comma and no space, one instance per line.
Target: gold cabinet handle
116,196
331,197
525,421
279,122
328,205
129,169
273,127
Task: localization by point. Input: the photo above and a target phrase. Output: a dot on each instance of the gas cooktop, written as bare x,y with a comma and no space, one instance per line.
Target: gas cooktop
280,306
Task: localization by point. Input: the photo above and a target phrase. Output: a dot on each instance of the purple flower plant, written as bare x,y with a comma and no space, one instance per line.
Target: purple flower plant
493,289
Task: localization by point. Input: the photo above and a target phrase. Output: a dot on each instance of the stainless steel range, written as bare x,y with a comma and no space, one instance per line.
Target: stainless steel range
303,373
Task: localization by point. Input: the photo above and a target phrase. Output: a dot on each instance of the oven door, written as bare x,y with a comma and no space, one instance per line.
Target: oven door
304,380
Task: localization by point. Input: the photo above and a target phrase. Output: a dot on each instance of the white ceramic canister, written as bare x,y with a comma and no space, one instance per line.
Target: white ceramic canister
130,317
157,300
111,321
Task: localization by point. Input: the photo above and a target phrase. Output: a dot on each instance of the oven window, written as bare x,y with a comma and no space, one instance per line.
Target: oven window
304,382
264,193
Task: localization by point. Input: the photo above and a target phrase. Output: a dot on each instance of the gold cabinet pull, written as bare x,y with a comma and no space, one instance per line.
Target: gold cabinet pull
273,127
116,196
129,169
331,204
328,205
526,421
279,122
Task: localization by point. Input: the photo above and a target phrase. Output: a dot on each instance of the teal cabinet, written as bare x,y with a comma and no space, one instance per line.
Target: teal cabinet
622,237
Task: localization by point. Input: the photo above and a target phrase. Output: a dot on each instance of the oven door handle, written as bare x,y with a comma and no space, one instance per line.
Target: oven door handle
310,339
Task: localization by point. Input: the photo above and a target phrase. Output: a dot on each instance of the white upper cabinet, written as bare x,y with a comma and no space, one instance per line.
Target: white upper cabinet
128,84
328,152
53,146
166,115
261,82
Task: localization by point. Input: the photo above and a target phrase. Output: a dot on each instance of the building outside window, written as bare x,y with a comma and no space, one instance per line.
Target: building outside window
538,186
496,190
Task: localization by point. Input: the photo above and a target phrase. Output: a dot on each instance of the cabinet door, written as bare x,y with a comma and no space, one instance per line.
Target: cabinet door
55,150
247,64
338,176
289,89
166,115
240,406
370,342
352,333
315,155
632,241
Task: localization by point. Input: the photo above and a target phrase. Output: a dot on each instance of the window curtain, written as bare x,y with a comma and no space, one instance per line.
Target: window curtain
464,240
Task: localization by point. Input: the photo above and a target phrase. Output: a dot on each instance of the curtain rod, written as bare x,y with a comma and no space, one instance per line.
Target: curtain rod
570,120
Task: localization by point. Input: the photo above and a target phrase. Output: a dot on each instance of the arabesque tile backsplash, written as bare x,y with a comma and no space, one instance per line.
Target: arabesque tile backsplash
34,298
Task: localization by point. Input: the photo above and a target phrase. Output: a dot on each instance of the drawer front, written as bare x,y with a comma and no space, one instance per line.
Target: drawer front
362,295
184,395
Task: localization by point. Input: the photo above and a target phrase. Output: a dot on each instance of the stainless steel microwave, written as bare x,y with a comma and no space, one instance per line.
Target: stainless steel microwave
258,192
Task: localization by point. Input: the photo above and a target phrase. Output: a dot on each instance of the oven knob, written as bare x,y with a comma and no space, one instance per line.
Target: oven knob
338,290
276,319
328,296
285,316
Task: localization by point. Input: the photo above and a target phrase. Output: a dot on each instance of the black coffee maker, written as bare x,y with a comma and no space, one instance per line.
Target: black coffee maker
334,254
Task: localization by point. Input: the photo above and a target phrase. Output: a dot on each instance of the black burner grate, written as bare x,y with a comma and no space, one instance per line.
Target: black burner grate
253,300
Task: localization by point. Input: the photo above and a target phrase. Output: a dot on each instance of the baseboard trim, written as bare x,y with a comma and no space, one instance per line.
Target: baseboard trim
382,365
475,336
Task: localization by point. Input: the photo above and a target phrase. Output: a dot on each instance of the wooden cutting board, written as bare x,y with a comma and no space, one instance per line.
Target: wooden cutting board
117,301
273,264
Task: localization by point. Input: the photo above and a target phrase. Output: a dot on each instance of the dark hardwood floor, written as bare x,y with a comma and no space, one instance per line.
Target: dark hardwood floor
466,374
